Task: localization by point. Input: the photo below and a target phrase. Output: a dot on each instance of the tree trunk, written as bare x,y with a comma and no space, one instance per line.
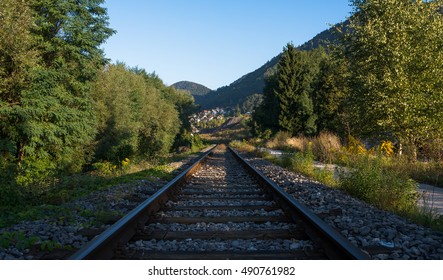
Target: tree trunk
20,155
400,149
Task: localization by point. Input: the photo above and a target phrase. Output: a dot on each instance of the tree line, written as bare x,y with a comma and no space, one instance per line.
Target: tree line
382,80
63,106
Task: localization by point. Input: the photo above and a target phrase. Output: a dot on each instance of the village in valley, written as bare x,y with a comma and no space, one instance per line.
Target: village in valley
209,118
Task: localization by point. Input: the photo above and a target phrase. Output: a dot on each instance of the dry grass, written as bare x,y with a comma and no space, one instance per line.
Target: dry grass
298,143
325,147
242,146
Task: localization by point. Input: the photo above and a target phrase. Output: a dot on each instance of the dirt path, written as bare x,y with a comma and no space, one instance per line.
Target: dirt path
432,197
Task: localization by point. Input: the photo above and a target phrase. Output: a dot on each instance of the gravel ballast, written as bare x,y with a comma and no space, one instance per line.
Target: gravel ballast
382,234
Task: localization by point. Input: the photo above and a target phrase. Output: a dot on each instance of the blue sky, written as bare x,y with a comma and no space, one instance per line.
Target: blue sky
212,42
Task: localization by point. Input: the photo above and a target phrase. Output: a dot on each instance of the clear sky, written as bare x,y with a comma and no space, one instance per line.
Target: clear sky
212,42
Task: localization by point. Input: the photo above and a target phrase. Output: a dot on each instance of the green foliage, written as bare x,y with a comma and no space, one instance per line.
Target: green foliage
216,122
190,140
329,95
17,55
242,146
293,92
17,239
61,107
251,102
302,162
370,180
395,65
430,172
287,103
105,168
47,122
50,245
135,119
265,117
10,194
192,88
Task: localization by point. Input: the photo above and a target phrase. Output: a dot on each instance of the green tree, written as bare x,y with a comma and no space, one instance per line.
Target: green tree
183,102
265,116
251,102
17,60
119,97
134,119
295,73
395,57
49,123
329,95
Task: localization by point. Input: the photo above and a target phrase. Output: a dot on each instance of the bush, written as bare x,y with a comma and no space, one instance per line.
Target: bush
105,168
242,146
278,141
370,180
298,143
326,147
10,194
424,172
302,162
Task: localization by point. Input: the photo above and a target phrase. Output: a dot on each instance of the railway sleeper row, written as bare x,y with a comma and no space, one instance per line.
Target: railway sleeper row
221,195
221,211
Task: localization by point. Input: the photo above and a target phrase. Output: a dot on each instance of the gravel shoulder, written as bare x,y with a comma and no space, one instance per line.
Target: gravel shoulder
81,220
382,234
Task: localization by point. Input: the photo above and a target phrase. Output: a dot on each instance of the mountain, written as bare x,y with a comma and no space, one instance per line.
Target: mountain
194,88
251,83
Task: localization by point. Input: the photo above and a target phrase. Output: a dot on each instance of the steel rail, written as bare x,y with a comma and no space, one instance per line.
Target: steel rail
104,246
336,245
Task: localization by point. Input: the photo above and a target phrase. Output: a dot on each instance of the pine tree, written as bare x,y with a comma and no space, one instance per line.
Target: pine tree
294,79
265,116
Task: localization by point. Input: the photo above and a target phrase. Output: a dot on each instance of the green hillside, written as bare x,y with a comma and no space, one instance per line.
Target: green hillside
194,88
251,83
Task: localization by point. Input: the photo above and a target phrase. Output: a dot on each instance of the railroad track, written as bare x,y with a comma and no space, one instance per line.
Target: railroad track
220,208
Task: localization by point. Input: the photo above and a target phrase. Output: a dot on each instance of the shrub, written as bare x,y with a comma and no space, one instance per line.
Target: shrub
242,146
370,181
105,168
432,149
278,141
424,172
298,143
386,148
355,146
326,147
302,164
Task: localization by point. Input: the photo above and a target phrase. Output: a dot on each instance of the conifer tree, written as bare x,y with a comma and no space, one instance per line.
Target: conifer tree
293,86
265,116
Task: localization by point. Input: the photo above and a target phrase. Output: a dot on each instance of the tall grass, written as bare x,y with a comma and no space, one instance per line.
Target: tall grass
376,176
327,147
370,180
429,172
303,162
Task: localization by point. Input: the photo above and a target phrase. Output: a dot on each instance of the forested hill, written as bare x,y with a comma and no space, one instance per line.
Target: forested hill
194,88
251,83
